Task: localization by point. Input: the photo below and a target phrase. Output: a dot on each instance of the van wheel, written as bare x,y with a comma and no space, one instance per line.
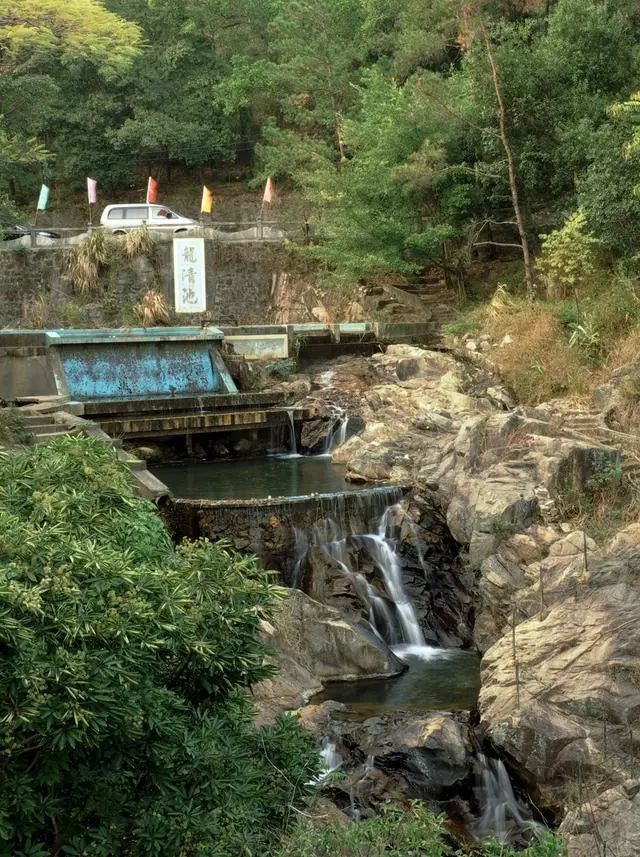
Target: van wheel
119,232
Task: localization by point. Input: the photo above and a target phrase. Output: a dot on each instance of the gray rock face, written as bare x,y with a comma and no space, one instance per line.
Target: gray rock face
426,755
612,817
573,715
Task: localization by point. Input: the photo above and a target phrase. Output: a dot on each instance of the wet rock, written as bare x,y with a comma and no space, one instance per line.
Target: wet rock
313,436
295,389
243,446
149,452
430,755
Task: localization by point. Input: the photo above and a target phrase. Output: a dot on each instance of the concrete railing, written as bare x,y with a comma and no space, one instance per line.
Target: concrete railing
226,232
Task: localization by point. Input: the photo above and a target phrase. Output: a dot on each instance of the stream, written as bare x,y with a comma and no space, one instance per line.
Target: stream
361,549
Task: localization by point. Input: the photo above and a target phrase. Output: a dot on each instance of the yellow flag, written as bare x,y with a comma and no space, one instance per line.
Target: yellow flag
207,201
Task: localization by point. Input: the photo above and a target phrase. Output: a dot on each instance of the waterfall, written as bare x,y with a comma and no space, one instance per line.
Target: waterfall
301,547
293,445
330,761
337,432
390,612
502,815
383,553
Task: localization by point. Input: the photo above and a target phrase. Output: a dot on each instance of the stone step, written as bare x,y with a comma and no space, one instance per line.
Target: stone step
41,427
44,438
37,419
585,421
52,428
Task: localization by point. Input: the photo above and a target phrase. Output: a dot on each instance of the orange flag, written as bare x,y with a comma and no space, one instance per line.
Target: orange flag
207,201
152,190
269,195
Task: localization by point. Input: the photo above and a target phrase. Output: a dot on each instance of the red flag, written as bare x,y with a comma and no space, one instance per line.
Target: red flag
152,190
269,195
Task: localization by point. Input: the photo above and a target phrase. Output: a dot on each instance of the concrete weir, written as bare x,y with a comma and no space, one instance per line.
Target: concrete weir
150,383
268,527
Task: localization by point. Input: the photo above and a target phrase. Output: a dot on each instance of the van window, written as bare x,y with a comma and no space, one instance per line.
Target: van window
137,212
116,214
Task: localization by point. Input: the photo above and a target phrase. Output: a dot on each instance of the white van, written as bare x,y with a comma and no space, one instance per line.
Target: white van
123,217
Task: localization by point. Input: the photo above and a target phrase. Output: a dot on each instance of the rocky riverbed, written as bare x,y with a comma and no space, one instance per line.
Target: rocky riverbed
554,616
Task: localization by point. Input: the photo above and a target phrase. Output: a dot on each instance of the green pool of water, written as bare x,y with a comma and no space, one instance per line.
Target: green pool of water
254,478
440,680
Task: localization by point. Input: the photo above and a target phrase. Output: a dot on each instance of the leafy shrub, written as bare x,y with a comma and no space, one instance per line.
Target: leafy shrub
13,428
568,257
609,502
586,336
123,724
396,832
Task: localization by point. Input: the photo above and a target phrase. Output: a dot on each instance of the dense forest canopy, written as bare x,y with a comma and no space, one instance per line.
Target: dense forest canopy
417,130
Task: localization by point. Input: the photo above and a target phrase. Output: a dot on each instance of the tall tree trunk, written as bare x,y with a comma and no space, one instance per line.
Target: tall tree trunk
513,184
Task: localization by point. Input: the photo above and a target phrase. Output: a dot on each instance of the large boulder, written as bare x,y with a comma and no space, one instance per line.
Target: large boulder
315,643
576,706
427,755
610,819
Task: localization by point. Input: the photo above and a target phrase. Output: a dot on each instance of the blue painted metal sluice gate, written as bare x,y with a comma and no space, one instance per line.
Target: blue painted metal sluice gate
132,363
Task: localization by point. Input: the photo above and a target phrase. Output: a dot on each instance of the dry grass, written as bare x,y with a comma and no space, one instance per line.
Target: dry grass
539,364
152,310
138,242
37,312
626,350
88,260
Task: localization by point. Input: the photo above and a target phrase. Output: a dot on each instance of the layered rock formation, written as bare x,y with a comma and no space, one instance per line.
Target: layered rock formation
556,616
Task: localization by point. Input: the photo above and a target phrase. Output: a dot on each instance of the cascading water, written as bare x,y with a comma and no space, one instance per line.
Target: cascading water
391,614
337,433
382,551
330,761
502,815
293,445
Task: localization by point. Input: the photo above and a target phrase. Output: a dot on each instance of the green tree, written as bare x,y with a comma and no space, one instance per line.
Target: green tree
394,202
42,42
609,191
124,725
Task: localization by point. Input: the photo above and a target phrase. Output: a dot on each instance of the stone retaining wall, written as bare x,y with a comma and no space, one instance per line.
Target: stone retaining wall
35,293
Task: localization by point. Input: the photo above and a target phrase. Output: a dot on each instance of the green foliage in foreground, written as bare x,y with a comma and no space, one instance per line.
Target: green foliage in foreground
124,729
13,428
397,833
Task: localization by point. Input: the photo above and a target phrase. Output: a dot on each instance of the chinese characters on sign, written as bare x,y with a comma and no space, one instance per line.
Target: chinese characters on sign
189,275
